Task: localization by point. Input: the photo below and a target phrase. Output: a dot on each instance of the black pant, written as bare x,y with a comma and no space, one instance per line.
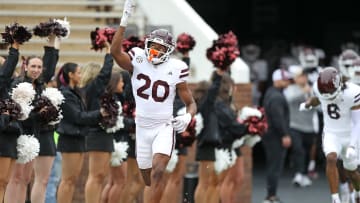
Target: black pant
301,143
275,157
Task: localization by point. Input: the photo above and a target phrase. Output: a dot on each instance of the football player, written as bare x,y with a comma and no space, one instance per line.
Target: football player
340,102
155,79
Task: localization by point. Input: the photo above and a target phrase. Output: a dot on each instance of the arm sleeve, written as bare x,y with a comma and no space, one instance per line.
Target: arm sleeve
97,87
9,66
355,129
213,91
50,60
229,122
77,116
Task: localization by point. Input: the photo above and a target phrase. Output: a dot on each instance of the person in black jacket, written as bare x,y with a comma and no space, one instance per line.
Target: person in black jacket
99,143
9,129
230,129
72,129
205,151
277,138
38,71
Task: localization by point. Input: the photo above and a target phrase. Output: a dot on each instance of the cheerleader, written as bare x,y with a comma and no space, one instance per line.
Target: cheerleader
38,72
99,143
9,129
118,170
72,130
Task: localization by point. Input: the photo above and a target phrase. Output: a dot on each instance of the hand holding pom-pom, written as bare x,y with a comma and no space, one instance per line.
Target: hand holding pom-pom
52,26
10,107
113,120
100,36
185,43
256,125
16,32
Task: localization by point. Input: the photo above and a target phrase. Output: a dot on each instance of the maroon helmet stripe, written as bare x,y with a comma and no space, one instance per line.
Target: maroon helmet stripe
184,75
356,100
184,70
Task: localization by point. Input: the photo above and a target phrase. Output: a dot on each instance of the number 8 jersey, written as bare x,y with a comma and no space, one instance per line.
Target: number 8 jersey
337,112
154,87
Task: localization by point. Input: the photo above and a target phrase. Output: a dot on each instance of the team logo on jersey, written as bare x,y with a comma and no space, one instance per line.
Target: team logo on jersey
139,59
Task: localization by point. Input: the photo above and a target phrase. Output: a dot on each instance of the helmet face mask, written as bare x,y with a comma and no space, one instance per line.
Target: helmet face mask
329,83
163,38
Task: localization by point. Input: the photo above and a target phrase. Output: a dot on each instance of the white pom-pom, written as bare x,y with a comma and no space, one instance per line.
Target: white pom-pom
28,148
238,143
223,160
120,153
25,110
58,119
199,125
181,111
54,95
65,24
173,161
246,112
23,93
119,121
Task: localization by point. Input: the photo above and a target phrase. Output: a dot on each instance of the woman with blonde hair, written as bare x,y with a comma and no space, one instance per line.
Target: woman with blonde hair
99,143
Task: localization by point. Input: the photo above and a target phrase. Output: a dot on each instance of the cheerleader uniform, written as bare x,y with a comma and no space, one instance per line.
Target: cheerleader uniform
98,139
72,128
206,151
33,125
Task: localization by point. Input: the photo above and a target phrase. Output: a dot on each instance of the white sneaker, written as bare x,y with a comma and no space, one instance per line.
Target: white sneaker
301,180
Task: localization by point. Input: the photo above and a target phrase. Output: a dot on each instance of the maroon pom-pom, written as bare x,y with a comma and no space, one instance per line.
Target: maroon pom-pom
185,43
223,51
11,107
131,42
257,126
50,114
110,105
16,32
45,29
100,36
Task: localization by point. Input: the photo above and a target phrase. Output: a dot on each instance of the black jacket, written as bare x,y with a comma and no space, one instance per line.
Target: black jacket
277,112
75,117
230,128
96,88
207,111
33,124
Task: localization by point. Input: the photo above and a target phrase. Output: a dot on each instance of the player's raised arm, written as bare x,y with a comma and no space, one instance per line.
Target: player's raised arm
122,58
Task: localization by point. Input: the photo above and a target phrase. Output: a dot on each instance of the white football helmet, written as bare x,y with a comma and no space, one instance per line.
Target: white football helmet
354,71
346,60
163,37
308,58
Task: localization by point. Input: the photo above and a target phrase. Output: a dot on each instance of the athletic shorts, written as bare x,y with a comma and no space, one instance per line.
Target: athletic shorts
150,141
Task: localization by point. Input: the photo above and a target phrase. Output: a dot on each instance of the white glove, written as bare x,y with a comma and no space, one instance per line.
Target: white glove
302,107
350,153
180,123
129,6
252,140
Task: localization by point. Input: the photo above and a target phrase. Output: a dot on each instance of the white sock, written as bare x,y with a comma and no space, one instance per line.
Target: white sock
312,165
352,197
335,197
344,188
